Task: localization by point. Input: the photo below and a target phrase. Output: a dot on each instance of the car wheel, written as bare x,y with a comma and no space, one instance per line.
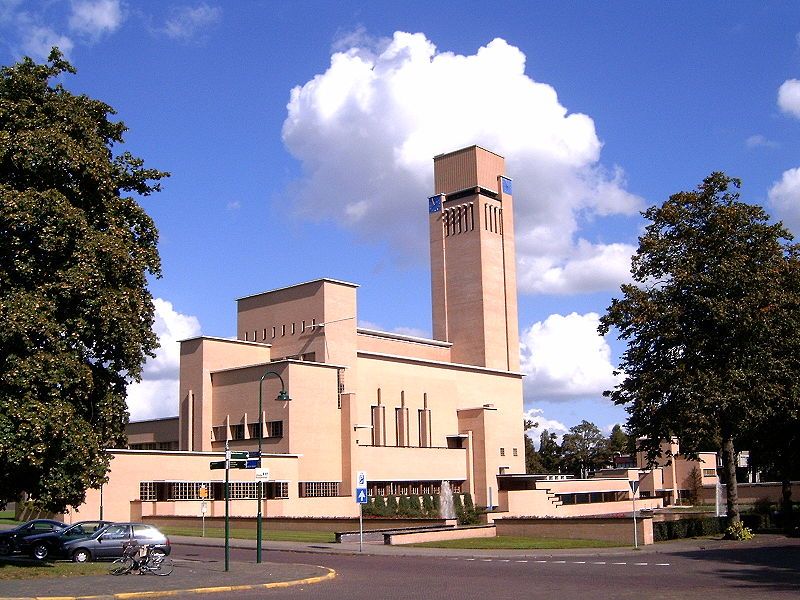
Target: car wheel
40,551
81,555
5,547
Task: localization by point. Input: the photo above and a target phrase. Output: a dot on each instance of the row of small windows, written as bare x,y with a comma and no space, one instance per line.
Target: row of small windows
280,331
238,431
402,426
493,219
154,446
155,491
459,219
318,489
592,497
514,452
409,488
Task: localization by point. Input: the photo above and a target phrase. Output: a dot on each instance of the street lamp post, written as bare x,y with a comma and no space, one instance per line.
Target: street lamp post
283,396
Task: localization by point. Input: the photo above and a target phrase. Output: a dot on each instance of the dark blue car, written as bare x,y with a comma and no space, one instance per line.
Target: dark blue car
11,538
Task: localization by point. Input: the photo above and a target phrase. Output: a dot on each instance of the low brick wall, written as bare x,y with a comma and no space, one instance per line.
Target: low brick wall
612,529
293,523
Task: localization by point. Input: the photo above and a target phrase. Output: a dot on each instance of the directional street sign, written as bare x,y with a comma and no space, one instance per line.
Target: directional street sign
254,454
239,464
361,495
253,463
239,455
218,464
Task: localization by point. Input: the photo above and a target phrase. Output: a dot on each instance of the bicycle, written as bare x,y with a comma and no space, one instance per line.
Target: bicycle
145,559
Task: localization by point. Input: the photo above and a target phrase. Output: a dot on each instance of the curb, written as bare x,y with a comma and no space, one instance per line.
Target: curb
200,590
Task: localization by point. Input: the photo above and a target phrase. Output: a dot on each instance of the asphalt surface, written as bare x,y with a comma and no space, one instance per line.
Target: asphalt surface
197,573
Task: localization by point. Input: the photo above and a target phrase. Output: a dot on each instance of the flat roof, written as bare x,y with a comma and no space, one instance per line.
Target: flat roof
467,148
402,338
229,340
296,285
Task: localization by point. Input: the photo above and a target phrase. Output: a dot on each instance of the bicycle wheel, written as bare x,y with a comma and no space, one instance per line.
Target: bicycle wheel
161,565
121,566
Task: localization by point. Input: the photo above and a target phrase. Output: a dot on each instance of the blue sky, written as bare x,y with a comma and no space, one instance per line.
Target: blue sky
300,134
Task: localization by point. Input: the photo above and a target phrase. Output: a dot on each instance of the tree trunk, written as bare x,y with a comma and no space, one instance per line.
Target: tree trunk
729,474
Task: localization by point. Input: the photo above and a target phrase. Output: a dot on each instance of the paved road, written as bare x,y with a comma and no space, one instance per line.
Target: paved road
766,567
718,572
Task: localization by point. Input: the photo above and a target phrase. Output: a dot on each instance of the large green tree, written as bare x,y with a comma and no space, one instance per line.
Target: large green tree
75,251
703,361
584,449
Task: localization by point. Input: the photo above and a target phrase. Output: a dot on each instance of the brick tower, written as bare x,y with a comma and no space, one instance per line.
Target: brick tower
473,274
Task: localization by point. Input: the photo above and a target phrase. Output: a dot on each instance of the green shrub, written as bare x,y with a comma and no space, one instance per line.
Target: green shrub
379,506
428,509
391,506
686,528
738,531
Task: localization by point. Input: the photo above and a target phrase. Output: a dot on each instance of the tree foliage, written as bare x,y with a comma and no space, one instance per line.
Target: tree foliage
77,316
584,449
704,359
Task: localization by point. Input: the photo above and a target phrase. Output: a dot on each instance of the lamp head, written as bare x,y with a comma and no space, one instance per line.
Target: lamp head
283,396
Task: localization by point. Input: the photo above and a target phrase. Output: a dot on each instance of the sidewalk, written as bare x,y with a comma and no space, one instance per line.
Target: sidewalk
188,577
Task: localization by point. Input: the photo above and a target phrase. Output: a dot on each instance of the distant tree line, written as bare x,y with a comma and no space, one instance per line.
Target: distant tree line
583,450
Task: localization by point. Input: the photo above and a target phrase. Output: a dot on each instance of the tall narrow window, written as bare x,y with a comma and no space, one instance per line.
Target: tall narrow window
424,417
378,426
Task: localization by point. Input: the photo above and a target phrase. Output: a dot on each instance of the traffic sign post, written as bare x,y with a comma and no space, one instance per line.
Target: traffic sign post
634,485
361,498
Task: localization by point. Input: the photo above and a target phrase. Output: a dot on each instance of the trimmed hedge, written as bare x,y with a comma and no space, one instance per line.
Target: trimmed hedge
686,528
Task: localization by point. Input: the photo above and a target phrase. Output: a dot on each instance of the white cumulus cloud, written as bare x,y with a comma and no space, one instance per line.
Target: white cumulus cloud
36,41
367,128
551,425
188,22
157,394
94,18
564,358
784,195
789,97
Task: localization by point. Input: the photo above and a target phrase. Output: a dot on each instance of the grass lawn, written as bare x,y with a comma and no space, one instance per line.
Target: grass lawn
517,543
270,535
26,568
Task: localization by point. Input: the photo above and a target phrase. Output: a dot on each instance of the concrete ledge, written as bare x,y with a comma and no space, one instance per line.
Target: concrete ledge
399,538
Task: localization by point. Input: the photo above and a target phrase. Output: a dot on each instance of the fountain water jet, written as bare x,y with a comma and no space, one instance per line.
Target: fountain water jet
447,509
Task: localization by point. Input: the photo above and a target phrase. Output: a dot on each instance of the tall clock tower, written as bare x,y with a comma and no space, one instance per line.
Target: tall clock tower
473,274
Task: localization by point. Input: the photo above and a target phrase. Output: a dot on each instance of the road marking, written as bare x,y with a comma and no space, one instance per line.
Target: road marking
640,564
599,562
521,561
662,564
620,563
486,559
578,562
541,561
505,560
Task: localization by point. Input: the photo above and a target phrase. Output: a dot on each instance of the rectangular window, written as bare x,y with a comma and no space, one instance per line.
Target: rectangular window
709,472
237,431
147,491
303,326
292,328
276,489
274,429
502,451
514,452
273,332
283,330
424,418
264,334
318,489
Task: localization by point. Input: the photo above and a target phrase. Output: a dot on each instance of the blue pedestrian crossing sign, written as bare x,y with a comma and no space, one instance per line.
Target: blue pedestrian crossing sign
361,495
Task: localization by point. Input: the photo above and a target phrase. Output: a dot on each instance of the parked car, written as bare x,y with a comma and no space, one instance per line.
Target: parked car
107,543
10,538
42,545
